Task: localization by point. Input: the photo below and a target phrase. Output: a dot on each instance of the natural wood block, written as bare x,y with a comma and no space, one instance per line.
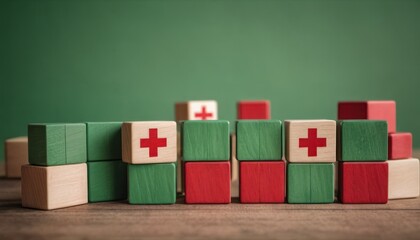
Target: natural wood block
403,179
207,182
254,109
400,145
363,182
370,110
262,181
234,163
103,141
149,142
54,186
152,183
107,181
196,110
16,155
310,140
363,140
205,140
259,140
57,144
310,183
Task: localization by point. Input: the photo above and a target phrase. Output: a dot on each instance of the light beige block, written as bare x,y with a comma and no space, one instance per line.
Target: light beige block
196,110
235,168
403,179
16,155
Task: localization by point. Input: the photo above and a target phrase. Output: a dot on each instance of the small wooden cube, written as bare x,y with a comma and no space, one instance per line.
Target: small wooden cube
403,178
254,109
196,110
54,187
310,141
16,155
149,142
234,172
400,145
103,141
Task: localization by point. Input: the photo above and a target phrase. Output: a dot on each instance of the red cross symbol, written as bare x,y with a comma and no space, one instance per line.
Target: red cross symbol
153,142
312,142
203,114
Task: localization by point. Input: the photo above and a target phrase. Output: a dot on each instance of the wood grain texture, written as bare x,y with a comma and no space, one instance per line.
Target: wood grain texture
403,181
103,141
193,110
234,163
400,145
54,187
16,155
259,140
253,109
363,140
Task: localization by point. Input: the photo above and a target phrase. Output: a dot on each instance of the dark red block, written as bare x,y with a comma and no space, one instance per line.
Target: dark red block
363,182
400,145
262,182
207,182
258,109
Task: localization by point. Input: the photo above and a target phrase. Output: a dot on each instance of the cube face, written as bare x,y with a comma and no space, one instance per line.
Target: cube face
363,182
207,182
258,109
152,183
196,110
16,155
310,183
259,140
107,181
400,145
262,182
363,140
403,179
149,142
310,140
205,140
103,141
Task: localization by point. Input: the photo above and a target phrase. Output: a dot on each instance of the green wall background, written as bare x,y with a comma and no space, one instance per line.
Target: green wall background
74,61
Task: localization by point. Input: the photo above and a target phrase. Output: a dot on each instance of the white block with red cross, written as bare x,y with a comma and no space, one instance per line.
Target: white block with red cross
149,142
310,141
196,110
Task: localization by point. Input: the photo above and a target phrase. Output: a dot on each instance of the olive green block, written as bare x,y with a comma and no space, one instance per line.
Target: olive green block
310,183
363,140
107,181
56,144
259,140
152,183
206,140
103,141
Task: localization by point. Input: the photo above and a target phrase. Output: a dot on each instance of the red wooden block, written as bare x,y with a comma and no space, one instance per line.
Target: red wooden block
262,182
400,145
207,182
363,182
258,109
370,110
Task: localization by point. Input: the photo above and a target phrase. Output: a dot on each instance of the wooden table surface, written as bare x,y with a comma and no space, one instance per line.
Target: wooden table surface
399,219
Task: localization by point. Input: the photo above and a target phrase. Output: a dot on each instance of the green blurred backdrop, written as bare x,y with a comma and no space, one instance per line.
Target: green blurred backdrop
74,61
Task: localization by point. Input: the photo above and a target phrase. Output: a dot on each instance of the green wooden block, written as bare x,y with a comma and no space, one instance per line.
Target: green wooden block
152,183
103,141
205,140
107,181
259,140
310,183
363,140
56,144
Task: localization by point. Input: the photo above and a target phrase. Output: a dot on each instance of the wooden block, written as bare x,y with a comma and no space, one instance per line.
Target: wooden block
149,142
310,140
254,109
403,179
400,145
57,144
259,140
103,141
16,155
363,182
107,181
234,163
363,140
54,186
196,110
207,182
370,110
262,181
152,183
205,140
310,183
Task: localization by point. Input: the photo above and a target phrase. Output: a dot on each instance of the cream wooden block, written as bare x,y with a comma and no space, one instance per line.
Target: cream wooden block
234,168
16,155
310,140
54,186
403,179
196,110
149,142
